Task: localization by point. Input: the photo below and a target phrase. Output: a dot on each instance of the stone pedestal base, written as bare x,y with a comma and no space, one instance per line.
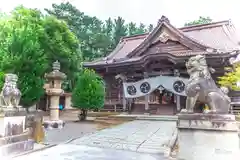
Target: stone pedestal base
54,124
10,111
207,137
16,148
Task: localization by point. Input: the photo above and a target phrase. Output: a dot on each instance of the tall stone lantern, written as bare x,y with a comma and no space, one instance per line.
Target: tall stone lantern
55,79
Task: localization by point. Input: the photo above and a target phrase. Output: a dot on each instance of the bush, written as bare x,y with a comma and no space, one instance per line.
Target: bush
230,78
89,92
1,80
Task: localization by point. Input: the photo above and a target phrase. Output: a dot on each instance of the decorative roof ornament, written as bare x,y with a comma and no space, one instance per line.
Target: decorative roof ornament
56,66
164,37
163,19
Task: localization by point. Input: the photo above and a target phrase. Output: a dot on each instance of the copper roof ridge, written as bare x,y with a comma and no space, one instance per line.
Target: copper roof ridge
174,29
187,28
202,45
137,36
204,26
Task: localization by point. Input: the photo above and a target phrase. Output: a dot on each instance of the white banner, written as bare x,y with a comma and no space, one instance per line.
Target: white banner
143,87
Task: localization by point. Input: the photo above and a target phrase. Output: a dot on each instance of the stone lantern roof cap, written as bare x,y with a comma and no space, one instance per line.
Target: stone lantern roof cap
56,74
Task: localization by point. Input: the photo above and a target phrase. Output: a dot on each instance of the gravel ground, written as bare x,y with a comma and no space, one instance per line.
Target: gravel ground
70,130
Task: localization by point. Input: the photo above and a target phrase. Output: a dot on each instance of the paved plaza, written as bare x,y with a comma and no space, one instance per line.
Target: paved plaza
79,152
139,139
139,135
71,130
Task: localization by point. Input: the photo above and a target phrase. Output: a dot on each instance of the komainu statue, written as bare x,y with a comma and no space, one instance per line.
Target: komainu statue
202,87
10,93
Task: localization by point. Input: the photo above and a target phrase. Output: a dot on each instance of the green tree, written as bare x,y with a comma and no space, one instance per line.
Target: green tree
1,80
94,43
89,92
30,42
21,52
97,38
141,29
109,27
59,43
200,20
231,77
108,32
131,29
120,30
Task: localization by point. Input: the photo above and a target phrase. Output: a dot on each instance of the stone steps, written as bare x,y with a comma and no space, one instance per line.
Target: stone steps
15,138
115,118
158,118
16,148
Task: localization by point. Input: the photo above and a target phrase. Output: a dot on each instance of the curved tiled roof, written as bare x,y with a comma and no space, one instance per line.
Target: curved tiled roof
221,36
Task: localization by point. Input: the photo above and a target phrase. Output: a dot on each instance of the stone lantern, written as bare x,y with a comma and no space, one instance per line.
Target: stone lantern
55,79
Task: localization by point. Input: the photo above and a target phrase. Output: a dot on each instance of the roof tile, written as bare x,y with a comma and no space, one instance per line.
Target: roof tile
219,35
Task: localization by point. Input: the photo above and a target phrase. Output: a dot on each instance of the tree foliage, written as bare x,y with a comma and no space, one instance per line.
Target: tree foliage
231,78
97,38
29,43
89,92
200,20
59,43
21,52
1,79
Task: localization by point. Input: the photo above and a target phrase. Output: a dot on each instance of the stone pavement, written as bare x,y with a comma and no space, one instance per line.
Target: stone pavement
139,135
69,131
79,152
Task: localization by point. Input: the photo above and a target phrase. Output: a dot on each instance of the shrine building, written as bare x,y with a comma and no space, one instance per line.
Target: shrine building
146,73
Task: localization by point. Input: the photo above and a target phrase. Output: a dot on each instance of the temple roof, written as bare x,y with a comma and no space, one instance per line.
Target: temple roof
213,38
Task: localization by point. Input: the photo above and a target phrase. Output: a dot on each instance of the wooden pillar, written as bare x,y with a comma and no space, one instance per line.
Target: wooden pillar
178,103
146,96
124,101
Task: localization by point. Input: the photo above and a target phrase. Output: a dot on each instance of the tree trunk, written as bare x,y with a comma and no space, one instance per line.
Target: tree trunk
83,115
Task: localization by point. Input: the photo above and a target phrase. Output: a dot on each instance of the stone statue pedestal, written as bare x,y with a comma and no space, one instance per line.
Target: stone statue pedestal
207,137
14,136
54,124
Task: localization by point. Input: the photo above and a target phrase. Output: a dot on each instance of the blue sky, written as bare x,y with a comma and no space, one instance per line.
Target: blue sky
146,11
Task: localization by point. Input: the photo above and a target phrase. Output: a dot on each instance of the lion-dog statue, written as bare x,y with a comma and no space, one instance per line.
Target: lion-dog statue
202,87
10,94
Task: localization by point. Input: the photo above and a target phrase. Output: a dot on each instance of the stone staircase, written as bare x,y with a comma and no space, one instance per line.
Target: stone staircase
235,102
235,110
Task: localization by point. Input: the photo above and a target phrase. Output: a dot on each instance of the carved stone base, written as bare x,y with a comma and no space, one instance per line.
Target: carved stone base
11,111
15,138
207,136
54,124
16,148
